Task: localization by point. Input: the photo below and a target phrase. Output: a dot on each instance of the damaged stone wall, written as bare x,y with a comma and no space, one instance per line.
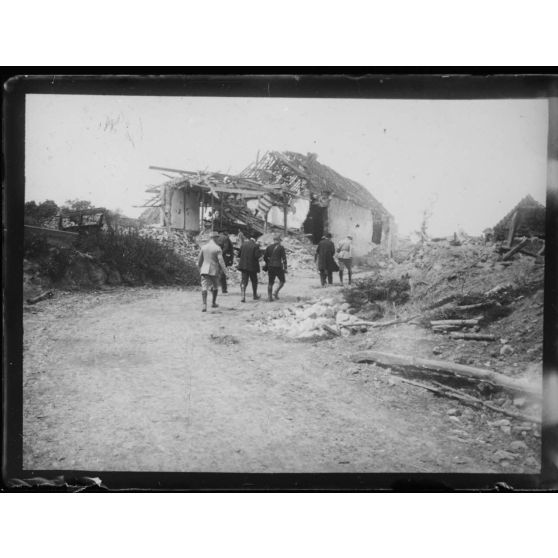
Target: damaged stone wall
346,218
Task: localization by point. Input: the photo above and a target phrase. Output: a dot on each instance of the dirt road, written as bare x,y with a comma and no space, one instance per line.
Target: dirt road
141,380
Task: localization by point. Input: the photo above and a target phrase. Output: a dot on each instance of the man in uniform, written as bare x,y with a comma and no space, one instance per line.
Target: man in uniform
345,254
228,255
324,258
275,260
211,264
249,265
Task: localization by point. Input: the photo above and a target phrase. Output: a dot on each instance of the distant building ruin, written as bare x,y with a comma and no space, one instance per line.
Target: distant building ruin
527,218
280,191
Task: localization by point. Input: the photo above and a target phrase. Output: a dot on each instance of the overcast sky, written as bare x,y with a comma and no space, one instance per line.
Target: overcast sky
468,161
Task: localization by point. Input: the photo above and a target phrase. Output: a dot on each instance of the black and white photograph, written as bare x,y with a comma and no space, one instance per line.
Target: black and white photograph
222,283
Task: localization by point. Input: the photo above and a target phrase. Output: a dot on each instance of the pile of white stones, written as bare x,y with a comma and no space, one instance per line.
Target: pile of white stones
313,320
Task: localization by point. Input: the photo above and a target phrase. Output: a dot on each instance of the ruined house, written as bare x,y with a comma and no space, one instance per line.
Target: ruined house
279,191
527,218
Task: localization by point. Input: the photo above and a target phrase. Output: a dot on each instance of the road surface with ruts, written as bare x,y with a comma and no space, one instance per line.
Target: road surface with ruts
138,379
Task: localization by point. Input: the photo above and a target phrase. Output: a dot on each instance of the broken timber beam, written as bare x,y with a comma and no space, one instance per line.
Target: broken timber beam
470,400
379,324
445,328
468,322
473,336
421,364
515,249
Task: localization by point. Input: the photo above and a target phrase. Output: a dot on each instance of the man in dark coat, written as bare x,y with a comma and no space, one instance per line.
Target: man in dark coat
249,265
275,259
324,258
228,255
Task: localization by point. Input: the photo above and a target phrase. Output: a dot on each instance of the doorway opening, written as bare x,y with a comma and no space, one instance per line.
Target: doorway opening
377,231
315,222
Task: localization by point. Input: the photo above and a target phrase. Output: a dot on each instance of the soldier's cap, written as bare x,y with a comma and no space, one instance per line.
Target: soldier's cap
277,237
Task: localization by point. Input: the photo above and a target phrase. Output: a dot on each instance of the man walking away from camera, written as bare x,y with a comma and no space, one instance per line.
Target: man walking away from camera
324,258
345,254
275,260
228,255
249,265
211,264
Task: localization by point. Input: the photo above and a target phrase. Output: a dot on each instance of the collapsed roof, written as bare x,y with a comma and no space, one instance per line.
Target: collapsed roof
303,173
276,174
530,218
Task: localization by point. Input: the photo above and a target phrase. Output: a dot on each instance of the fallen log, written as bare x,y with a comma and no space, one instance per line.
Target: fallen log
442,301
515,249
379,324
478,306
499,289
42,296
512,414
460,322
470,400
473,336
421,364
446,327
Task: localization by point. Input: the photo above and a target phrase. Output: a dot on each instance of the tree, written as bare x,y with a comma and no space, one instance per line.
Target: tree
37,214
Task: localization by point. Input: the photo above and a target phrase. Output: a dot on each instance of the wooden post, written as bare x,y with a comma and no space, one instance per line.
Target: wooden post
285,218
184,207
212,209
221,196
167,208
512,229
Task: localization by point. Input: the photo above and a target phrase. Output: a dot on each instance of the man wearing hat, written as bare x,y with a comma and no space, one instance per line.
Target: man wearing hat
345,254
275,260
211,264
226,246
325,260
249,265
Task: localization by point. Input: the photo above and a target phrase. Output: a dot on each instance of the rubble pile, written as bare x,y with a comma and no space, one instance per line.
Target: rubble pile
176,240
317,319
300,251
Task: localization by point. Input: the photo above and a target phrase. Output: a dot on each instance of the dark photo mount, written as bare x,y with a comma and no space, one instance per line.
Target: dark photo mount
342,85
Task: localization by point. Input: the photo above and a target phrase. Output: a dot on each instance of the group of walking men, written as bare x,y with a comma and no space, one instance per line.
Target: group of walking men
325,259
218,254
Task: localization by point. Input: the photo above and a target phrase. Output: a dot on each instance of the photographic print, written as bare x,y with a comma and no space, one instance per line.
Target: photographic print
283,284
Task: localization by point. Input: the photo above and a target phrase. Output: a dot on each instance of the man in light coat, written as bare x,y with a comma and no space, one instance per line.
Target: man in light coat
345,255
211,264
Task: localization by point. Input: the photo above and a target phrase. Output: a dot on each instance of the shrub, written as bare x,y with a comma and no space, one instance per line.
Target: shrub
143,259
373,289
